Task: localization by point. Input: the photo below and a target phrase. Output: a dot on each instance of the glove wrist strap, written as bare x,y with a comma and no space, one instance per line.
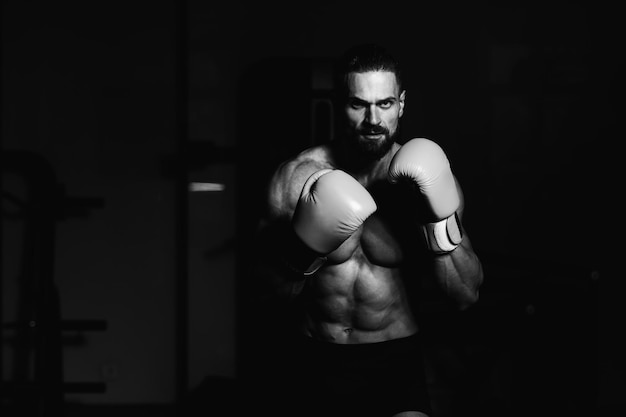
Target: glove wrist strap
443,236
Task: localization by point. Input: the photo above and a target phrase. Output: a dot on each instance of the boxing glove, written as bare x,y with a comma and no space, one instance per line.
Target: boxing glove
331,207
424,164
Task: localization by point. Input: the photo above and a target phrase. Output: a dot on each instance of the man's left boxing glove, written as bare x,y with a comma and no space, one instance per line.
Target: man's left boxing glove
331,207
423,163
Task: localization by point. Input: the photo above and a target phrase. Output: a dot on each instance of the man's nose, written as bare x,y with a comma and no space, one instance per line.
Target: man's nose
372,116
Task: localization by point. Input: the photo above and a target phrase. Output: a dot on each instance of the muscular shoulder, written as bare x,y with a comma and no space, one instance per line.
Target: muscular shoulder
289,178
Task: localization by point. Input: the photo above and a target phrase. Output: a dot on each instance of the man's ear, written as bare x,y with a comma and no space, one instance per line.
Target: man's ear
402,97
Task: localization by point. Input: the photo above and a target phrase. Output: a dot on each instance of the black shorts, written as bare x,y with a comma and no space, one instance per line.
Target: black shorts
373,379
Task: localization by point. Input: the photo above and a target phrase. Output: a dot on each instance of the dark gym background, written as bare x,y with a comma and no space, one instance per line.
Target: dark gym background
126,293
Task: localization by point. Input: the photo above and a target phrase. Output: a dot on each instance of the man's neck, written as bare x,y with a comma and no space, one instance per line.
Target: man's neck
364,169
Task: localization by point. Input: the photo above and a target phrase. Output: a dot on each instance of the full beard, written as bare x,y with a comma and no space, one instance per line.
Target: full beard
372,149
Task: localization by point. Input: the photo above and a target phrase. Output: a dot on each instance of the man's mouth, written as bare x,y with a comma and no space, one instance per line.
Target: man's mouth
373,135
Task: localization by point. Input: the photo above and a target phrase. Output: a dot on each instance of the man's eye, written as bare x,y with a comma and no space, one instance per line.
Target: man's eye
385,104
356,105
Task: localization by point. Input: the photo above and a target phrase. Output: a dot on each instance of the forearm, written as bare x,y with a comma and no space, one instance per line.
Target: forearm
279,262
457,269
280,283
459,274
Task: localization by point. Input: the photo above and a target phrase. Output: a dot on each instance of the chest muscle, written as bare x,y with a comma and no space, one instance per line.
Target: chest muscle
377,242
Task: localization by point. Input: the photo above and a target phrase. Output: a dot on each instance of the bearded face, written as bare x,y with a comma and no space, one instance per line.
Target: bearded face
373,109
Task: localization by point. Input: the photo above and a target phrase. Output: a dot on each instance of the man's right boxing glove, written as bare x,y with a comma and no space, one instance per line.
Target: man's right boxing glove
331,207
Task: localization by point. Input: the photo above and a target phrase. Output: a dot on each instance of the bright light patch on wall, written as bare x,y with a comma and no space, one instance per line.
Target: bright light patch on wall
206,186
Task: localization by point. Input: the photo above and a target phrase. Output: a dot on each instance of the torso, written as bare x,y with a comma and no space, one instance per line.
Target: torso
360,295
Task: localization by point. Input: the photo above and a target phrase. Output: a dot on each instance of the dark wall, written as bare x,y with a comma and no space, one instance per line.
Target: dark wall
90,89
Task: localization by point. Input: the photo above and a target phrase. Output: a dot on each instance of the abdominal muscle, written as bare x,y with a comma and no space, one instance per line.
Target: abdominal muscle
354,300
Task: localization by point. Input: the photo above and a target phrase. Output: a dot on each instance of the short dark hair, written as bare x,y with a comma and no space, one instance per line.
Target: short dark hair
363,58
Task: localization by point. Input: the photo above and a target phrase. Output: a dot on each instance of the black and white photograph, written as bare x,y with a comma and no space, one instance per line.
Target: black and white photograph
312,209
